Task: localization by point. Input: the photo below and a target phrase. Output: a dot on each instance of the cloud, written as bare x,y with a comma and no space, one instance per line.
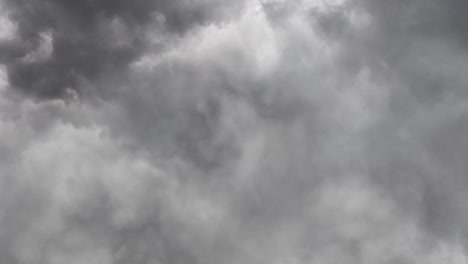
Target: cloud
232,132
417,47
92,40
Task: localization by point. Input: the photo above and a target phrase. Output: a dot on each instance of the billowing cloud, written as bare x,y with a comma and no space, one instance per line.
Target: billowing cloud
63,45
233,132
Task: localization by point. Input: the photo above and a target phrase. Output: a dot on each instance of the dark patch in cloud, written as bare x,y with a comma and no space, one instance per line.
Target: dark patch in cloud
418,49
446,20
92,40
404,39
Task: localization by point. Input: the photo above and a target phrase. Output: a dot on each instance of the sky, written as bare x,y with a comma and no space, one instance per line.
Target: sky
233,132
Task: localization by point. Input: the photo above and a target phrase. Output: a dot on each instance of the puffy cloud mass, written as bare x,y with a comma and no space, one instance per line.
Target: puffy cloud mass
216,131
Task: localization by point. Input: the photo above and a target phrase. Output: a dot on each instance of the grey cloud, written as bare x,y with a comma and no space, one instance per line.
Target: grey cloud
93,40
423,45
444,20
292,134
410,40
418,50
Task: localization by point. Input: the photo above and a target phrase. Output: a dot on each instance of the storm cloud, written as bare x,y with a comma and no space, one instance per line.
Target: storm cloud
63,45
204,131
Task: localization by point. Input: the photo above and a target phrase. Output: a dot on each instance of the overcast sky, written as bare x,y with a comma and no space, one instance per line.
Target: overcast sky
233,131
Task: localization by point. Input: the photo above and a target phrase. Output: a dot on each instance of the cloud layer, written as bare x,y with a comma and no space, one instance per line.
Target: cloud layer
233,132
64,45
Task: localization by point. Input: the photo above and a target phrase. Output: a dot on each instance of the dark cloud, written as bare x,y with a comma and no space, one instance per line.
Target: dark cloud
92,40
298,132
418,49
410,40
433,19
